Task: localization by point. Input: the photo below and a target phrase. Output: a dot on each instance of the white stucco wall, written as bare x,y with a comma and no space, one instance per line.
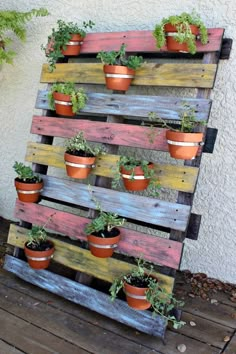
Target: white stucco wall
215,198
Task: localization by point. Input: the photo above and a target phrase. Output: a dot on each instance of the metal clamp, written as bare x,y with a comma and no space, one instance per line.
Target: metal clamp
74,43
63,103
80,165
103,246
138,297
184,143
133,177
40,259
29,192
120,76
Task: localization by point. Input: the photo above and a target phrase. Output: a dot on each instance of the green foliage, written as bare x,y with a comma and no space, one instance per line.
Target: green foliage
36,236
187,120
78,96
104,222
14,21
162,303
60,36
79,143
184,34
120,58
25,173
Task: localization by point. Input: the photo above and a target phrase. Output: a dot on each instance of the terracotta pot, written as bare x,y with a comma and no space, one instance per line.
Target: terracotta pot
28,192
172,44
139,183
136,297
103,247
73,46
79,166
118,77
63,104
189,147
39,259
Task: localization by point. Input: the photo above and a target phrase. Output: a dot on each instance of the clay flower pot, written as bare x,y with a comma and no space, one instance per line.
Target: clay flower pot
28,192
183,145
172,44
118,77
136,297
79,166
73,46
103,247
39,259
138,182
63,104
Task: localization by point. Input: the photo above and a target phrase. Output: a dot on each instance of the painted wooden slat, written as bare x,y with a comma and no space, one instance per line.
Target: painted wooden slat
141,41
157,212
154,249
182,178
150,74
137,106
87,297
82,260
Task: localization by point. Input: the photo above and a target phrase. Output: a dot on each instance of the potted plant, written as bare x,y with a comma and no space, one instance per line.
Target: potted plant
180,32
136,174
28,184
66,99
38,250
65,40
183,142
103,234
143,291
80,156
119,68
14,21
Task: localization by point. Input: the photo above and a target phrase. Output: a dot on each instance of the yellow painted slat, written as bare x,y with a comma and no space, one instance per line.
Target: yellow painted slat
182,178
81,260
150,74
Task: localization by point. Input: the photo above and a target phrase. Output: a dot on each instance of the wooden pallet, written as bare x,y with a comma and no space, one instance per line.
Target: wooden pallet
115,121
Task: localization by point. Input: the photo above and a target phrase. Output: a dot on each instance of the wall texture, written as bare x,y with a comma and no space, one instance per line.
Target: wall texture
215,198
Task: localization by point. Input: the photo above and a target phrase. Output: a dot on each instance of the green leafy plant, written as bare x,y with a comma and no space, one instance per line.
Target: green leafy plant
182,23
78,96
60,36
187,117
78,144
37,236
120,58
25,173
162,302
14,21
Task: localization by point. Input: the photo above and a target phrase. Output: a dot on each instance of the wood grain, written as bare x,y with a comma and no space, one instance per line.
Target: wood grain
153,249
91,298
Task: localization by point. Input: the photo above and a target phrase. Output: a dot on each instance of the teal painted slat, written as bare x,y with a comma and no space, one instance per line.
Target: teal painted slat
87,297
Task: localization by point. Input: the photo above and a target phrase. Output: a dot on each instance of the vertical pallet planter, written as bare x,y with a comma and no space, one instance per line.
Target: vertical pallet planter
116,121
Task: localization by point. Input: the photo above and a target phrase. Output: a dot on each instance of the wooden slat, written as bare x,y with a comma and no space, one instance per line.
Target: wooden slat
150,74
157,212
137,106
176,177
82,260
153,249
141,41
88,297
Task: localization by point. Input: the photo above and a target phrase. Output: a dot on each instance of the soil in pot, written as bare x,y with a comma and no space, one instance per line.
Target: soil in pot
29,191
172,44
190,144
63,104
118,78
79,165
39,258
136,294
103,247
139,182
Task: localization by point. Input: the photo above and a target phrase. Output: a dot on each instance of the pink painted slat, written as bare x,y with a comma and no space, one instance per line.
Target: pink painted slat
154,249
141,41
103,132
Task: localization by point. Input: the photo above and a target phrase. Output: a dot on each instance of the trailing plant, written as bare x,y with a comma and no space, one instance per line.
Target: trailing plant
25,173
188,121
14,21
78,144
120,58
129,163
78,96
105,222
59,38
161,301
182,23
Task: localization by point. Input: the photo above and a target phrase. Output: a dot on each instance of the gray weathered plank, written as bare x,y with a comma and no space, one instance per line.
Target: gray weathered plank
155,211
137,106
88,297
